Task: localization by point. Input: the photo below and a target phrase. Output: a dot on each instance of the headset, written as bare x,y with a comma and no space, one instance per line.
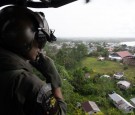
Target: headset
20,26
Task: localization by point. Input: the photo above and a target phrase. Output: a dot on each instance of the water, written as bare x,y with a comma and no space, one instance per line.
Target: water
128,43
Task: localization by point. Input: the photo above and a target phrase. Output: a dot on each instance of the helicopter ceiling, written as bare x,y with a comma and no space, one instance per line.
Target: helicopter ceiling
38,3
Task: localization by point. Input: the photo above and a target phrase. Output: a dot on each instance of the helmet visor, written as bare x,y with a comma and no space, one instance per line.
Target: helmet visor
41,38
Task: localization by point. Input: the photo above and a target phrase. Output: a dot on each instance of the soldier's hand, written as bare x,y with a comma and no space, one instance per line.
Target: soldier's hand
46,66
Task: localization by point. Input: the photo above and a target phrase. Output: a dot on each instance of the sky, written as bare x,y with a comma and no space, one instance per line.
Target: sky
98,19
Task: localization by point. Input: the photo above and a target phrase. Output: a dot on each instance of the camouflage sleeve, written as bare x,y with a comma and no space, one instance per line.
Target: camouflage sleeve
51,73
47,67
26,90
63,107
50,104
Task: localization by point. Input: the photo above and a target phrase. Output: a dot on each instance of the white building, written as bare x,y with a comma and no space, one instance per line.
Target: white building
133,101
118,75
105,76
123,84
100,58
121,103
115,58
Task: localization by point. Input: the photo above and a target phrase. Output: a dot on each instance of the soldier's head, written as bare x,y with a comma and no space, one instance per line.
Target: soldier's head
22,31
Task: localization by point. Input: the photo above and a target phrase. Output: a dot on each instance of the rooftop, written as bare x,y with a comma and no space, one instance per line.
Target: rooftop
124,54
119,100
89,106
125,83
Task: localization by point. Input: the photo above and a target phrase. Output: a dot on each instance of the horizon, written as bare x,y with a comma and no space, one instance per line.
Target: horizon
95,38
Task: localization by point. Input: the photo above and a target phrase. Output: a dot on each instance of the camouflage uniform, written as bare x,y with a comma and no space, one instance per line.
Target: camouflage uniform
19,87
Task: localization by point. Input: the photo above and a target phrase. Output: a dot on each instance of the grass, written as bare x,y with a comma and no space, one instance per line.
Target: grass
106,66
102,66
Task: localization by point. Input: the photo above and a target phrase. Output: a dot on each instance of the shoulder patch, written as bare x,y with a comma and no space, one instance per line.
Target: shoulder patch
43,93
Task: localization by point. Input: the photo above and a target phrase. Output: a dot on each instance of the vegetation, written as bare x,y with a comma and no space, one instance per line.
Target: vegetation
73,63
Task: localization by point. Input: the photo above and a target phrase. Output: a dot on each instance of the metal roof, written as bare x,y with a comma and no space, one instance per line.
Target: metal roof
123,54
90,106
119,100
133,100
125,83
107,76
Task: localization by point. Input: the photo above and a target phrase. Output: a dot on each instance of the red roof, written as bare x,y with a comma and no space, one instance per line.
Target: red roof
123,54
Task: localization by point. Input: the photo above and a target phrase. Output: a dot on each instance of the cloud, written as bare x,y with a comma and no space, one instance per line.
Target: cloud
99,18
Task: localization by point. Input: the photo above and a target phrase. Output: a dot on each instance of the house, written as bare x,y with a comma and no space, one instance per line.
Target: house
133,101
87,75
123,54
129,60
114,57
121,103
90,107
105,76
123,85
100,58
119,55
118,75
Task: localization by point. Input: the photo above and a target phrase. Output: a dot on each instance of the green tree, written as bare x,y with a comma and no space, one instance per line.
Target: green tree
78,79
81,51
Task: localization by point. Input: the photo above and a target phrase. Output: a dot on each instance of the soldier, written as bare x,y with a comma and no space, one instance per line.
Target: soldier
23,34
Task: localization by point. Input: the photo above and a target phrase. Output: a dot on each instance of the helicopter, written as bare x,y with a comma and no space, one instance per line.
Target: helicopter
38,3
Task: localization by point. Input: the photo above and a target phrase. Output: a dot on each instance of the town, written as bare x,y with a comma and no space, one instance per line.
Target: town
116,88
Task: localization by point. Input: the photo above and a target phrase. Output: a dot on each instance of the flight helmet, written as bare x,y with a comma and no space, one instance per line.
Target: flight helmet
20,26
